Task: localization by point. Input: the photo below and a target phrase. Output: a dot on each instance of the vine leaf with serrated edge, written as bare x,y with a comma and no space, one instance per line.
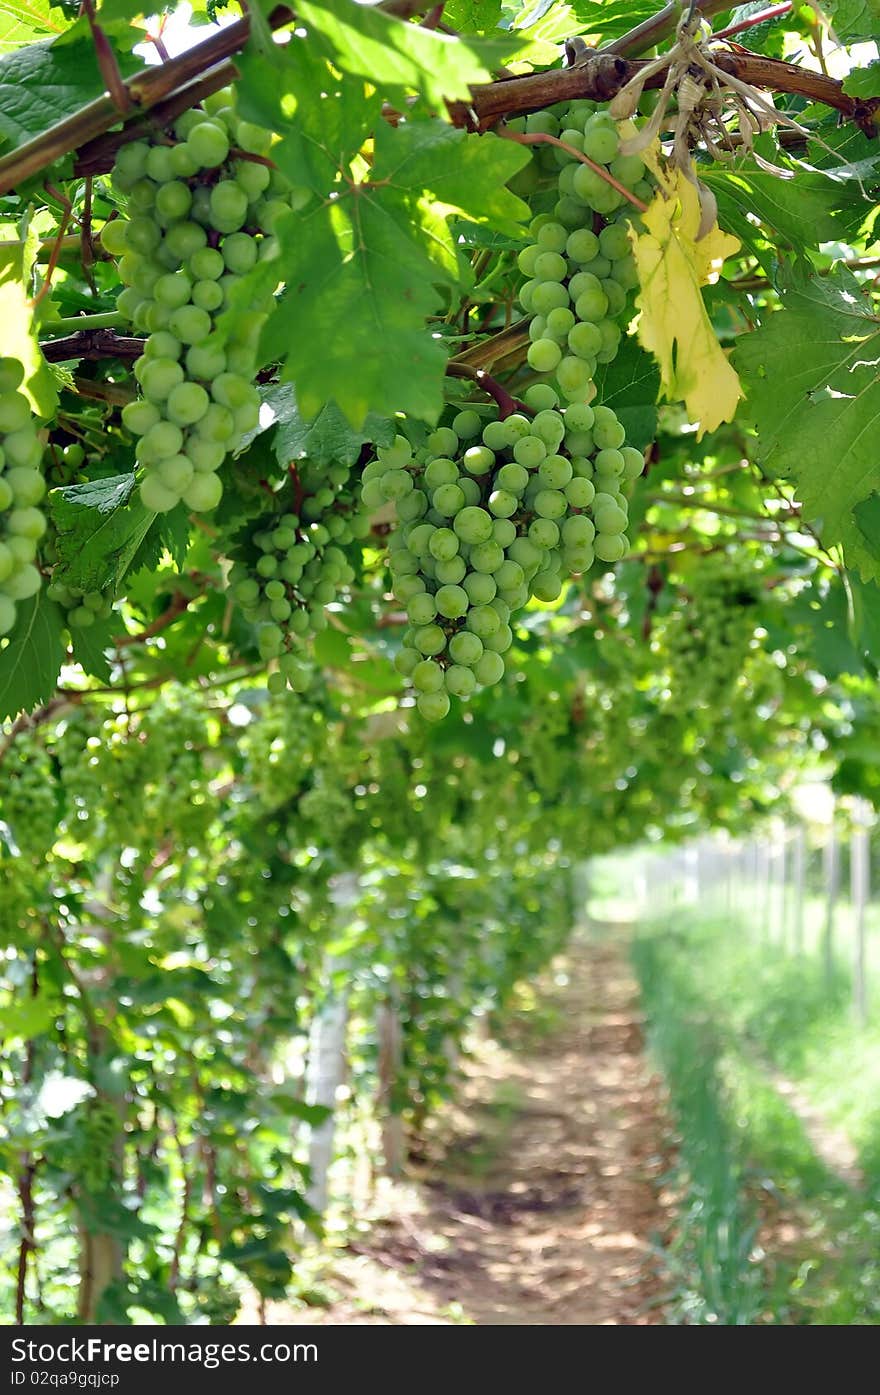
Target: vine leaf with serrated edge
363,270
31,657
813,394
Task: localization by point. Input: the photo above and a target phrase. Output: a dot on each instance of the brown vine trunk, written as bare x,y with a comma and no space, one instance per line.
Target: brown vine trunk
100,1266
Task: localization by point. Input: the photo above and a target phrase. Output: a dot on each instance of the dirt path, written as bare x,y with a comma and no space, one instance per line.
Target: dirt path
541,1208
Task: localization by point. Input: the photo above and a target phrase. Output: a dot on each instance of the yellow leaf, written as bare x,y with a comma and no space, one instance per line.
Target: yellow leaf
674,325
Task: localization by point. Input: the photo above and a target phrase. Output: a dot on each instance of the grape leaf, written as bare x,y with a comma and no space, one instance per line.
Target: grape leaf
31,658
863,82
48,81
23,21
18,339
101,526
854,19
802,212
813,393
768,37
362,271
609,19
298,97
629,385
472,16
89,645
389,53
866,618
673,264
174,530
359,287
866,516
827,618
325,439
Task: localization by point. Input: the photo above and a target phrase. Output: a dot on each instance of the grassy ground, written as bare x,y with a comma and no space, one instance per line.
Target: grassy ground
776,1093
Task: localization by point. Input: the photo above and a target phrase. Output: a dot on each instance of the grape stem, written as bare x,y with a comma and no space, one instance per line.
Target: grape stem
541,138
507,404
752,20
179,602
504,344
70,243
91,345
53,255
179,84
110,319
114,393
119,93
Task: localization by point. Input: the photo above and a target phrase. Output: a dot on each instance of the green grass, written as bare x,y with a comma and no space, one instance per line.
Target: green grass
726,1011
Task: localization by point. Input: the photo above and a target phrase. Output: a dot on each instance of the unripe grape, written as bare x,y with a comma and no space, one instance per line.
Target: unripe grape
203,492
207,143
433,706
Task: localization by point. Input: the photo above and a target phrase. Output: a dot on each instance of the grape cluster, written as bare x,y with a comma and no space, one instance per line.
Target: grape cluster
64,465
200,216
29,806
83,608
708,640
294,563
580,266
22,486
491,513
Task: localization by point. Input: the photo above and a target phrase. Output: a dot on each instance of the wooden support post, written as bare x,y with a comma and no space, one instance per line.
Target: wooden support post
831,863
799,872
860,851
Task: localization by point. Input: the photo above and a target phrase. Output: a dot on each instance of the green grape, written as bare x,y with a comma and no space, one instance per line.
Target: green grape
547,296
582,245
452,602
633,462
433,706
550,266
544,355
579,493
467,424
478,460
460,680
489,669
554,472
208,143
473,525
540,397
465,648
610,547
173,201
427,676
529,451
187,403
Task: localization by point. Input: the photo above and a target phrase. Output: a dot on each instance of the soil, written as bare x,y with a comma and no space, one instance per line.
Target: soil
538,1202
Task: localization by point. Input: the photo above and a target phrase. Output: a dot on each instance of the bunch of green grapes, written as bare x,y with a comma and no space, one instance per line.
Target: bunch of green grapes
278,750
64,464
22,486
492,513
201,209
708,640
28,805
82,608
293,564
104,771
580,266
175,733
